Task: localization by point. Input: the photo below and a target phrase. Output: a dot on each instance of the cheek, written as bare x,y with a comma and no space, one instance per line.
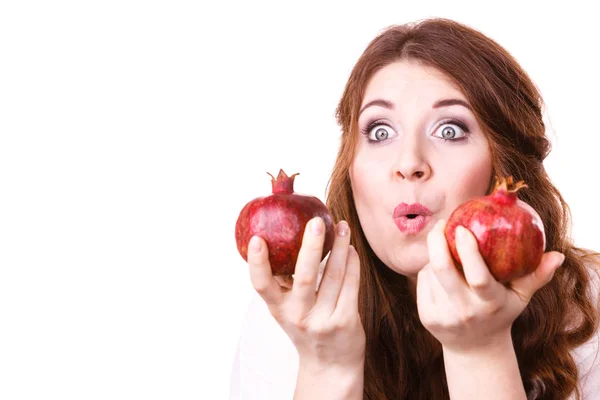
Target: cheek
365,172
366,188
360,183
470,179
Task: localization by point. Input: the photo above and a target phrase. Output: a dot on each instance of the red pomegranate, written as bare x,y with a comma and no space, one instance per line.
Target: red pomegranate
509,232
280,219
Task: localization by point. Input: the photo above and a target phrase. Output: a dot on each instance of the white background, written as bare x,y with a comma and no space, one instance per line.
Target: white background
132,133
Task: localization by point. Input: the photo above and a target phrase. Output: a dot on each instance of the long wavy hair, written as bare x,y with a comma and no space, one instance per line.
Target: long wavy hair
403,360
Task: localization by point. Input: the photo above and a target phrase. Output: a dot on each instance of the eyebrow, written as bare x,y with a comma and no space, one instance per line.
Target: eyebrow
377,102
451,102
438,104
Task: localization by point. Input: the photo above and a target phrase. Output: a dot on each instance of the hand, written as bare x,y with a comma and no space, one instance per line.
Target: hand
472,311
324,325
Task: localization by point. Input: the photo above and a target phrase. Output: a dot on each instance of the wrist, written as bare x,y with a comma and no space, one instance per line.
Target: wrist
318,380
314,365
490,346
491,372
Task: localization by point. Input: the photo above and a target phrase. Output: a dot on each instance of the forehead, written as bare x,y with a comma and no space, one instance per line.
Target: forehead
410,79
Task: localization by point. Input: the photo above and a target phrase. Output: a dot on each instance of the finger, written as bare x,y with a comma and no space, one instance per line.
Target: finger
476,271
307,264
335,270
261,275
438,293
442,264
285,281
427,303
527,285
347,301
424,292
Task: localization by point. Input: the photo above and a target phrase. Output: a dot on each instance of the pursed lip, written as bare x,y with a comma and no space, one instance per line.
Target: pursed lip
404,209
412,218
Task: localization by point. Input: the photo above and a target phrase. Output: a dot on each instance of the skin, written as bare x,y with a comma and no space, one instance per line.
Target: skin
471,314
413,164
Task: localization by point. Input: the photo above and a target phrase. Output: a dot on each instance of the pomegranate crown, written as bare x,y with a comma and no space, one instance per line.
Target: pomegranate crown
283,183
506,190
507,185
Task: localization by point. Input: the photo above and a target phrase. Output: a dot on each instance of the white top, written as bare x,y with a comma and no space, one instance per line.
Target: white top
266,361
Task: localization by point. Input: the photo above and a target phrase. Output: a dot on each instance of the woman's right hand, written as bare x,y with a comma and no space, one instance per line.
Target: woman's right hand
324,325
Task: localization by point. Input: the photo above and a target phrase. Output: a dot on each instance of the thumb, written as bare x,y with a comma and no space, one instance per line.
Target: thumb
527,285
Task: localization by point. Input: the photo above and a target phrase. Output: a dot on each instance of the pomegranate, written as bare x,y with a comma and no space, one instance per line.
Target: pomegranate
280,219
509,232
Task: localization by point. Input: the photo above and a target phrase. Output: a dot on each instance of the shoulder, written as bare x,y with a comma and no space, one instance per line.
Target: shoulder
587,359
266,361
591,262
587,356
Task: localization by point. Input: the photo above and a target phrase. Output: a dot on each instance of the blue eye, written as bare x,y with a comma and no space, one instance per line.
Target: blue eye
452,130
377,131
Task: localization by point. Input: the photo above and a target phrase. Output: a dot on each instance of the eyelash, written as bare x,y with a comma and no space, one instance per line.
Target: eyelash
365,131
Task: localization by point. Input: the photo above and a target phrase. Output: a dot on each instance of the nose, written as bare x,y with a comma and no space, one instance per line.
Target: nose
412,163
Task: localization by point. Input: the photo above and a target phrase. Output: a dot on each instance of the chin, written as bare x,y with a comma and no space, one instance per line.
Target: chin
409,260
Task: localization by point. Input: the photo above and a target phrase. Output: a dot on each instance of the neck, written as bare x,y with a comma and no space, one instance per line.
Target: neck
412,285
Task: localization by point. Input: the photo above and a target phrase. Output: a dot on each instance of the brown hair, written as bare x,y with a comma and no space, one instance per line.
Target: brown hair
402,358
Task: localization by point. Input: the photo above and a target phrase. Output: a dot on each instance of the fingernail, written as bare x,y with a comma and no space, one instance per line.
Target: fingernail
561,259
342,228
255,244
316,226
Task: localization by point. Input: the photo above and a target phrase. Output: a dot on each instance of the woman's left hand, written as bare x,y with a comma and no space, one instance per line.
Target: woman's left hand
472,311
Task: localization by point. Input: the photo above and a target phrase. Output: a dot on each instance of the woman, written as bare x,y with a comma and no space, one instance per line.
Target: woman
432,113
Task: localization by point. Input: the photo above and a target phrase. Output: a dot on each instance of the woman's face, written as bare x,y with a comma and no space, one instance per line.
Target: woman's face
420,154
